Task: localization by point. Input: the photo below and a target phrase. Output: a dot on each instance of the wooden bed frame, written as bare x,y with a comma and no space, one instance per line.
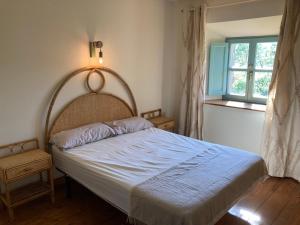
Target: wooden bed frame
94,106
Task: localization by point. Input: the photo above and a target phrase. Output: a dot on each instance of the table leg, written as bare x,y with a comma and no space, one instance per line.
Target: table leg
8,199
68,186
51,183
41,177
2,206
1,203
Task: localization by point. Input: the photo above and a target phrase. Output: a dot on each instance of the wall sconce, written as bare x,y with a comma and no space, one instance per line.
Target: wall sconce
93,46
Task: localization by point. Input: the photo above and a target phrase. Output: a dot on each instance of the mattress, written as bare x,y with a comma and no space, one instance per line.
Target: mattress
113,167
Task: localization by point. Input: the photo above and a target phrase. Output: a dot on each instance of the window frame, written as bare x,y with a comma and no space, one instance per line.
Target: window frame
250,73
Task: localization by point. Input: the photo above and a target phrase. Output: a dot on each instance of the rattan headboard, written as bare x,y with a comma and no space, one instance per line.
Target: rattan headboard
95,106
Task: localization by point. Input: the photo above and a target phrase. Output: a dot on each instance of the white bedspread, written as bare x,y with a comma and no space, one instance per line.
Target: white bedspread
198,191
113,167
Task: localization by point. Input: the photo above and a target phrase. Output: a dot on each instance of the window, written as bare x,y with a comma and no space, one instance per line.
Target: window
247,68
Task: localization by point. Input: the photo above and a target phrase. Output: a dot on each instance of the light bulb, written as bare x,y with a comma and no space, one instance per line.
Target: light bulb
101,57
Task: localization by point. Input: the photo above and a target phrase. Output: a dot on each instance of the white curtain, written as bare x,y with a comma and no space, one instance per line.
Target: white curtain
281,143
194,73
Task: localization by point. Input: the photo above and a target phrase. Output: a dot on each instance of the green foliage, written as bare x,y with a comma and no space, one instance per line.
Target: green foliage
261,86
239,87
238,83
265,54
264,60
239,55
260,64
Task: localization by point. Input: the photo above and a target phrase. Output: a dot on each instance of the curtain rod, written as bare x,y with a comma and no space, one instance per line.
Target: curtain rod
225,5
231,4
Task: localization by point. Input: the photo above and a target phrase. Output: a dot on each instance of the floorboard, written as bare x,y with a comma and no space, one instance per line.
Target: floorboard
271,202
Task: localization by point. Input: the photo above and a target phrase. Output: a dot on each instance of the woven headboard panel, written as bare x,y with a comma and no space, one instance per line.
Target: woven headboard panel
95,106
91,108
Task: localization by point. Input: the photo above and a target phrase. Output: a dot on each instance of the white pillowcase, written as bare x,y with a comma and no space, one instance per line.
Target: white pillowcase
129,125
82,135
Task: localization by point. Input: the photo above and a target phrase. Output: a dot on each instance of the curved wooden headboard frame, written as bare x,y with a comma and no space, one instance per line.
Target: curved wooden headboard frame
91,93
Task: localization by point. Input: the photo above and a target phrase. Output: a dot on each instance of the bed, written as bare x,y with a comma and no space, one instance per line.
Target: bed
155,177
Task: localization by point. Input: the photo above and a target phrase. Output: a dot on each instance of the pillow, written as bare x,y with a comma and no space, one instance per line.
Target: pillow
82,135
129,125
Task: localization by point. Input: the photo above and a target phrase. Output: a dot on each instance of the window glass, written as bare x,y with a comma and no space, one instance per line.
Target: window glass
250,67
265,55
239,55
237,83
261,84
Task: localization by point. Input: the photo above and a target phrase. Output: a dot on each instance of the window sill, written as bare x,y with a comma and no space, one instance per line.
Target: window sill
239,105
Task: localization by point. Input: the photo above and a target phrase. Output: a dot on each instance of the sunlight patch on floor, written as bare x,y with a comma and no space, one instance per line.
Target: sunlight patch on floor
250,217
246,215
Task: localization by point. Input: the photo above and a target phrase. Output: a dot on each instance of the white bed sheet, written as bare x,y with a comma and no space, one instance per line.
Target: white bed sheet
111,168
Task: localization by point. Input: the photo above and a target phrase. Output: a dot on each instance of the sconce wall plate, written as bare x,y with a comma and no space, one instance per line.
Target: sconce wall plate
93,46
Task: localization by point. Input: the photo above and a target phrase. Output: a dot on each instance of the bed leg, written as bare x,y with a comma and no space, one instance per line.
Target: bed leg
68,190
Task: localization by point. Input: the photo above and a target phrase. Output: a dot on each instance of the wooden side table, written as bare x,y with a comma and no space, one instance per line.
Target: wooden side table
159,121
18,166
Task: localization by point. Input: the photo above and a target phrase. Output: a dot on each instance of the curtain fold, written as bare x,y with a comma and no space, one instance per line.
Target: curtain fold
281,141
193,75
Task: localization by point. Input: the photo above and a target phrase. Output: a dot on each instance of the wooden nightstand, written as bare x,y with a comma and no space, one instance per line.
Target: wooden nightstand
27,162
159,121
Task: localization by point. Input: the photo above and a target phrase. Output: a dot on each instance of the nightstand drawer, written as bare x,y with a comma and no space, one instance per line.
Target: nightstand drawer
30,160
25,170
166,126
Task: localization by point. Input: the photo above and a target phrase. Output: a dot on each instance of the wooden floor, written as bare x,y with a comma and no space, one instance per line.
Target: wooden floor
274,201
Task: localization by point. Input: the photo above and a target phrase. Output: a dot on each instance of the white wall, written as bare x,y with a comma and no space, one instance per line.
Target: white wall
233,127
172,65
42,41
262,26
255,9
238,128
229,126
173,45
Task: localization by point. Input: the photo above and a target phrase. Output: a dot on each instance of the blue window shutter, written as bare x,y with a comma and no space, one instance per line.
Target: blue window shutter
218,63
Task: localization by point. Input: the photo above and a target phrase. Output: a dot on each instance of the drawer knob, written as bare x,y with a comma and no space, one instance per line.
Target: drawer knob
27,169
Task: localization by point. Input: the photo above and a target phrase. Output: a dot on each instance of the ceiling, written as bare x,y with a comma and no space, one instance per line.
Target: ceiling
249,27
